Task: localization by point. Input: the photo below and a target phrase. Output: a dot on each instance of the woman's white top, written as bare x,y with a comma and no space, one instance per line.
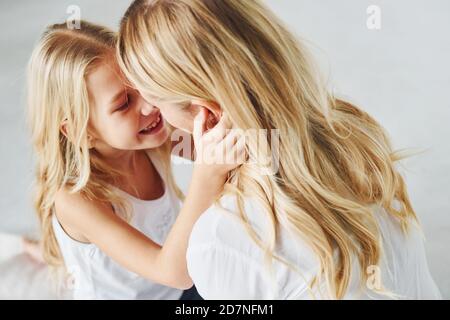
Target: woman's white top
94,275
225,263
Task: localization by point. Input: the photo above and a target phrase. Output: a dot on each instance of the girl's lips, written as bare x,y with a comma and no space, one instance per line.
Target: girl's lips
155,130
154,117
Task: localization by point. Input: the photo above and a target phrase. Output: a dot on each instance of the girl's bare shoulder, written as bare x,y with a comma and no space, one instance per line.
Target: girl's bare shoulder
77,214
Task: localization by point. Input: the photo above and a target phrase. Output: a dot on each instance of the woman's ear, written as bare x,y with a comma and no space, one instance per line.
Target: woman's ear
214,111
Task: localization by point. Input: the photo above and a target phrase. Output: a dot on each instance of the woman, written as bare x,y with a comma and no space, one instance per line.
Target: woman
335,219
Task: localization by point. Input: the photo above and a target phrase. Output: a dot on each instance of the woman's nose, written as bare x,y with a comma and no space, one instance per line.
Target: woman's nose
146,109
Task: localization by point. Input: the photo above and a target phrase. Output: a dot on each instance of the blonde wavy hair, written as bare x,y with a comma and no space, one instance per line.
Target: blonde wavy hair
336,162
57,91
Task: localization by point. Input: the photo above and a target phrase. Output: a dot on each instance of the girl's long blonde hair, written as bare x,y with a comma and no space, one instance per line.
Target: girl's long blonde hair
336,162
57,92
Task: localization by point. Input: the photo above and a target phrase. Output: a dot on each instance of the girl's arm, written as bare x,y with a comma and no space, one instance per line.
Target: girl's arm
132,249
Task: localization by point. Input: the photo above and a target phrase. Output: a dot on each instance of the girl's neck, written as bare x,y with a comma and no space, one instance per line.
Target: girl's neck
140,178
121,160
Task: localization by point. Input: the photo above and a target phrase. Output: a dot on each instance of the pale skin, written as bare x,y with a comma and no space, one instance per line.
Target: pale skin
118,114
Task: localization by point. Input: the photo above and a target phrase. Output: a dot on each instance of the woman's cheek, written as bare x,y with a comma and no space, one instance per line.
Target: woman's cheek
185,120
174,120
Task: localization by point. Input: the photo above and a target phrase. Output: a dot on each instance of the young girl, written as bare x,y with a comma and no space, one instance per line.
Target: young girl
105,195
334,220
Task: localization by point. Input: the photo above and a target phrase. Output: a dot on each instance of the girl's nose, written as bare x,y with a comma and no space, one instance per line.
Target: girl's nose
146,109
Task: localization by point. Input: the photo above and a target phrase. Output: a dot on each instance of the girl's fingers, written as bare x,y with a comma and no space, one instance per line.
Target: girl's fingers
235,148
199,125
224,122
220,130
241,156
218,134
227,145
232,137
241,150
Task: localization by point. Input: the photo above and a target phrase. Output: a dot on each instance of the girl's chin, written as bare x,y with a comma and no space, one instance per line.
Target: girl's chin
155,140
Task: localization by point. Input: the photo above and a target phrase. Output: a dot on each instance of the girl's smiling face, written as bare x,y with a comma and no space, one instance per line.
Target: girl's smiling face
116,119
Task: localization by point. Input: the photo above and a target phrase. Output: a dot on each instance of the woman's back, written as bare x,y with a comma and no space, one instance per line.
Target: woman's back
225,263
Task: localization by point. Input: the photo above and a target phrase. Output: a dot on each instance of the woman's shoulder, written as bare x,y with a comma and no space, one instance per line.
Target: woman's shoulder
225,261
220,223
222,227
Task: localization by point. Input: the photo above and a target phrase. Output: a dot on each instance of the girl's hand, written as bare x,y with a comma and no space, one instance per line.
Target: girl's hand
218,151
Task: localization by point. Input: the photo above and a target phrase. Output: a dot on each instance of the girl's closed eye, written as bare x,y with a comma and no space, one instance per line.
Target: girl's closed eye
125,105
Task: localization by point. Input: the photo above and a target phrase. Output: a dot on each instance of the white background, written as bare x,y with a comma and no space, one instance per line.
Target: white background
399,74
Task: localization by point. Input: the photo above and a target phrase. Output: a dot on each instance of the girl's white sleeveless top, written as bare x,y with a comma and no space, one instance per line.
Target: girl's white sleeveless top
94,275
